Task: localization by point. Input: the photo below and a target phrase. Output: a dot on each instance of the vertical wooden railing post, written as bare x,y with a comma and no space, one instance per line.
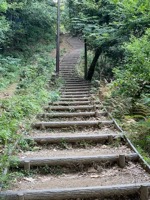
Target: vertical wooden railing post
58,38
144,193
85,58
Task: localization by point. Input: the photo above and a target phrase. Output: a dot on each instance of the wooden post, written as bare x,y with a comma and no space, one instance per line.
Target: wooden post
110,139
122,161
97,113
144,193
58,38
20,196
27,165
85,58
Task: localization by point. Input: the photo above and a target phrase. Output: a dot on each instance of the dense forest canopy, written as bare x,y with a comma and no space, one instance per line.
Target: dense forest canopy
24,21
120,31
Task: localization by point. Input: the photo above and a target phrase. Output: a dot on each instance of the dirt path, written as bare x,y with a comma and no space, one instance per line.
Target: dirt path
78,153
9,92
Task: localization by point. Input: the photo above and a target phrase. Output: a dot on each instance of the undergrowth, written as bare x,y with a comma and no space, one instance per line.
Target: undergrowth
9,70
133,116
34,89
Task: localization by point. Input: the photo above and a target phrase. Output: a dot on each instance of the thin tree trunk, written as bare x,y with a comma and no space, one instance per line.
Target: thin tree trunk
93,64
85,59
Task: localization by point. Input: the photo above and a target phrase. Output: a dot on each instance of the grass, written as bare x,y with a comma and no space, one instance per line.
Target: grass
34,89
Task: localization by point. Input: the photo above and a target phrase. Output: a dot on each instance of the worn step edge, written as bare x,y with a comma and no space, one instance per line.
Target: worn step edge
75,88
75,96
82,192
63,114
75,92
69,114
63,124
74,84
63,161
83,107
75,99
71,139
78,83
72,102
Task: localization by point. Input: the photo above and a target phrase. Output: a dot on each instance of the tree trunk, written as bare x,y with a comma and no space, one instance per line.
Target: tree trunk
93,64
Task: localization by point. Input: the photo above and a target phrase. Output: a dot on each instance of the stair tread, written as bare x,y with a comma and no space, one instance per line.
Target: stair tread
111,177
57,153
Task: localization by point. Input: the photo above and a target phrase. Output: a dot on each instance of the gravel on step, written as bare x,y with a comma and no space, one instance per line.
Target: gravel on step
131,174
55,151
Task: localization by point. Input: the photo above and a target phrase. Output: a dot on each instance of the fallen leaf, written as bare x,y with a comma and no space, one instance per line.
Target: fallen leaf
94,176
29,179
92,170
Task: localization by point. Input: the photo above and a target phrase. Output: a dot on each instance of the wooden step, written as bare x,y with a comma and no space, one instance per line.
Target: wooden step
65,161
80,192
75,96
75,90
73,138
75,93
75,81
70,103
63,124
68,114
76,87
72,108
74,99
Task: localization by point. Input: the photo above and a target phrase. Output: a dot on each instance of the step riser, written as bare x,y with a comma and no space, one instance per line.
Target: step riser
67,115
66,161
74,96
75,93
44,125
71,115
74,99
74,90
71,103
101,139
68,79
73,84
76,87
75,193
70,108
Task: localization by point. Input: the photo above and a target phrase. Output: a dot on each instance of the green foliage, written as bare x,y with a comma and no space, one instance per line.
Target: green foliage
4,28
25,21
134,78
32,92
142,136
9,68
107,24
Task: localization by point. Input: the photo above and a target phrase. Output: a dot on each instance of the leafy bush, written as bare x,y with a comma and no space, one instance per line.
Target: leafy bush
9,68
25,22
134,78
